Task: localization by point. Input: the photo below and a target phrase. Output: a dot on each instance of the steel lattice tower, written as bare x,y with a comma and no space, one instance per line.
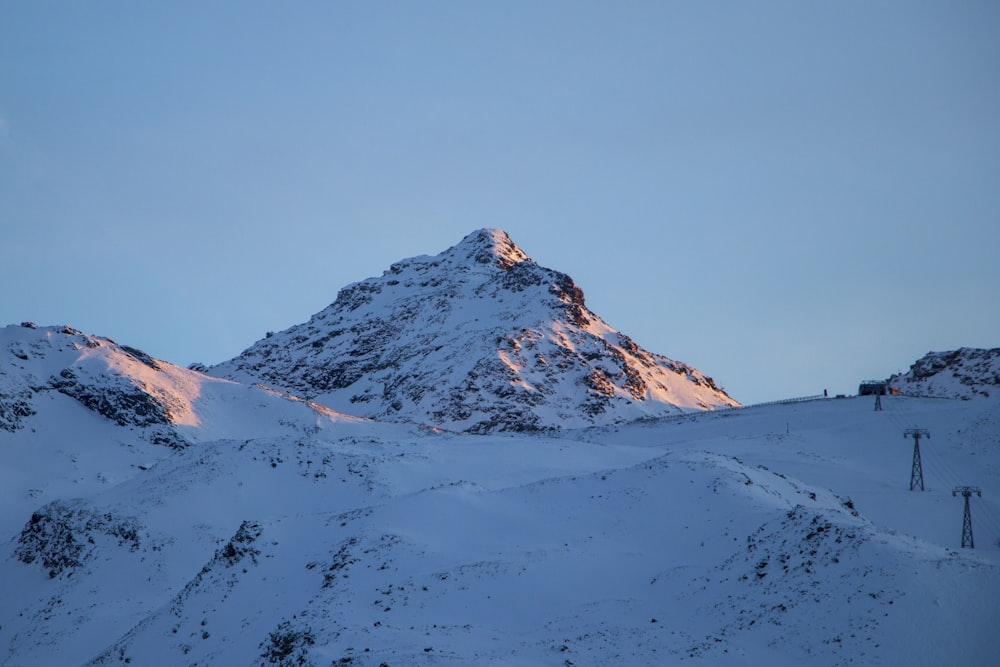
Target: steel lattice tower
917,471
966,492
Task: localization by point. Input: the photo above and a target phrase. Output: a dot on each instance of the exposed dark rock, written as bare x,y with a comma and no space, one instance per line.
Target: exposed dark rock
287,646
61,536
140,356
125,407
14,408
963,373
240,546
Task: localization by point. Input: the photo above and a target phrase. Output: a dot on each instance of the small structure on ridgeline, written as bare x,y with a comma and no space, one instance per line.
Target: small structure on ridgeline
872,388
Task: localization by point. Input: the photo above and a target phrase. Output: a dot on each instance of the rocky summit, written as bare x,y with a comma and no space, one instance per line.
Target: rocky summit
479,338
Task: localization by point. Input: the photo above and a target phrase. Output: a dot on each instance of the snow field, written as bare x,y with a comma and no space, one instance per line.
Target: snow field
720,539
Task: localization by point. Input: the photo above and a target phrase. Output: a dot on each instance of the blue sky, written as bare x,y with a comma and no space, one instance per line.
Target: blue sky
789,196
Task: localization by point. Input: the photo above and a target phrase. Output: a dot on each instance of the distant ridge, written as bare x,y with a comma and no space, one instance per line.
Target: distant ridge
120,383
149,400
963,373
479,338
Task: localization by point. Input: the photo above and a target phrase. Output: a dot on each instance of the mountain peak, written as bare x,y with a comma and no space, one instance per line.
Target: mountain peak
490,246
477,338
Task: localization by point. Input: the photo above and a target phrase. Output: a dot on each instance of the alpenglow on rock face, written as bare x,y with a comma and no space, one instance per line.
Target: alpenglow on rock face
479,338
117,382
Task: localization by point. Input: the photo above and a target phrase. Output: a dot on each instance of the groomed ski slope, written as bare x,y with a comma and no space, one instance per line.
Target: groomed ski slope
784,535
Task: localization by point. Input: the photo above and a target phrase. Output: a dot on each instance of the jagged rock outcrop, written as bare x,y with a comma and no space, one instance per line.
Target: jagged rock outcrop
963,373
479,338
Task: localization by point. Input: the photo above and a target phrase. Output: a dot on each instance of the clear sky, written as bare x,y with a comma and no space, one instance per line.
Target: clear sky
789,196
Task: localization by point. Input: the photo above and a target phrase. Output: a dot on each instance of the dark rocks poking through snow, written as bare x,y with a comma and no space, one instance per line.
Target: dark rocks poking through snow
964,373
61,536
479,338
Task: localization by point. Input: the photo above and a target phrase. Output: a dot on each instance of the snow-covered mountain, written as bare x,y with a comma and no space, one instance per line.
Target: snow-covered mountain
963,373
110,380
155,515
479,338
83,413
783,535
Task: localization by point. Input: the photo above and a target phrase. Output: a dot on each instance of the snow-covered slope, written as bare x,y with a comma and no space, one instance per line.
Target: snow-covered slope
479,338
112,381
783,536
963,373
80,413
154,515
